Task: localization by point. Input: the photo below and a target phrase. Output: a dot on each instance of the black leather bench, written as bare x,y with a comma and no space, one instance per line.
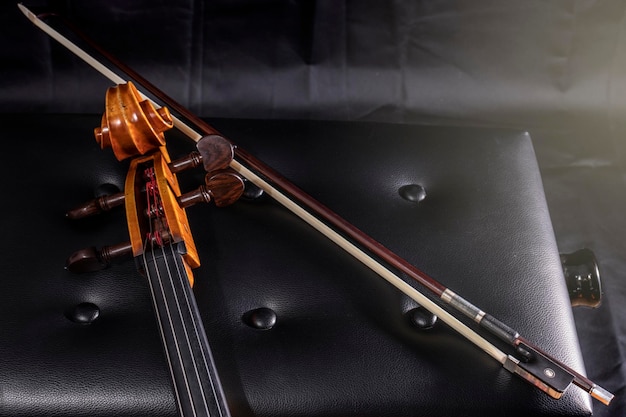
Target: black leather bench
343,342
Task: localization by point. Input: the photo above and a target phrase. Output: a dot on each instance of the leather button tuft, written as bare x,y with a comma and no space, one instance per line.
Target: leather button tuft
83,313
260,318
412,192
251,191
106,189
421,318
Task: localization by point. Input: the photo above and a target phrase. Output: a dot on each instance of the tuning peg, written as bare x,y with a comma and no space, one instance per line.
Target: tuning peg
226,187
217,152
223,188
190,161
96,206
199,195
92,259
107,202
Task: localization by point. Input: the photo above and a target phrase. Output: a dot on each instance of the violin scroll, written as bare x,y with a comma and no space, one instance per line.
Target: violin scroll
130,125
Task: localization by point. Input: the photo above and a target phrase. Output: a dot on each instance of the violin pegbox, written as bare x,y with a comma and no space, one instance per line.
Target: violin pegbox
130,125
133,127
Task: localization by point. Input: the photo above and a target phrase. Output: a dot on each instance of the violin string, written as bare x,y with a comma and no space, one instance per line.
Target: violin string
151,191
184,282
171,326
161,328
153,196
158,316
181,316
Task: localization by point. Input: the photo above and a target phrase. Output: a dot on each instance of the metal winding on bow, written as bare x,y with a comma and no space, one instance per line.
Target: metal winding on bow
527,360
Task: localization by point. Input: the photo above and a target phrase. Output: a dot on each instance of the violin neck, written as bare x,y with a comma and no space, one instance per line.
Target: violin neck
197,387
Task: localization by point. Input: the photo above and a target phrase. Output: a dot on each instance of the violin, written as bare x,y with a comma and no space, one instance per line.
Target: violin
160,237
526,360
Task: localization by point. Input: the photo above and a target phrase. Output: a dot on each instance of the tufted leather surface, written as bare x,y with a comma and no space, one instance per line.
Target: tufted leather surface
341,344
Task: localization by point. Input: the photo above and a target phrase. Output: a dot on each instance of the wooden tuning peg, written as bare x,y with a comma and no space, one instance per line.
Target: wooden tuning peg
96,206
92,259
226,187
216,151
223,188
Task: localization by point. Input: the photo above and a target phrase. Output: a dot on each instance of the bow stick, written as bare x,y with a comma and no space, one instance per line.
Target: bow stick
535,366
